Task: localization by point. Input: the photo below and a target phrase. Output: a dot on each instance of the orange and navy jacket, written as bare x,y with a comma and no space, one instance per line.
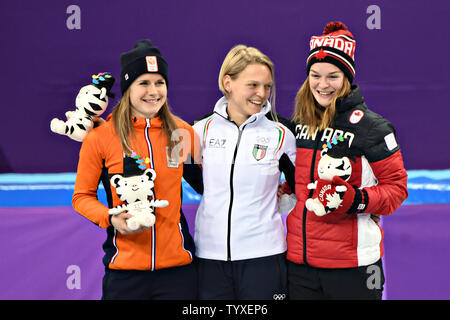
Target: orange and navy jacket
168,243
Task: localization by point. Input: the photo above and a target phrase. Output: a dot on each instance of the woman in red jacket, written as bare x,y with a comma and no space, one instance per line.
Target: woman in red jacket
348,168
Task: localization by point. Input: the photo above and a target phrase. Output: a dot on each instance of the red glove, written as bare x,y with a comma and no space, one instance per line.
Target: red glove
336,196
326,198
354,200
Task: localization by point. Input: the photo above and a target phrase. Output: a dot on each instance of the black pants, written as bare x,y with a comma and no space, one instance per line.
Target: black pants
306,282
177,283
252,279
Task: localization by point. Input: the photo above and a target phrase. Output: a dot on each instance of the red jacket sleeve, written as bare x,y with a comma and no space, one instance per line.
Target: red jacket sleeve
391,189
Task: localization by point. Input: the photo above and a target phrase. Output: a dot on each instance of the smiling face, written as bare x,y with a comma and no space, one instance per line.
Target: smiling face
248,92
325,80
148,93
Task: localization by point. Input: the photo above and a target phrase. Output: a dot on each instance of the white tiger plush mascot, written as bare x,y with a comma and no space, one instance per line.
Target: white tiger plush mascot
334,161
91,101
136,191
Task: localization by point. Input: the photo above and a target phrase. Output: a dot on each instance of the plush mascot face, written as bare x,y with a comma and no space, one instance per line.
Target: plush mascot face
134,188
92,100
329,167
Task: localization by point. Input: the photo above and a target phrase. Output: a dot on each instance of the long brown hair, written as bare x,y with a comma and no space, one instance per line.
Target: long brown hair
306,111
123,123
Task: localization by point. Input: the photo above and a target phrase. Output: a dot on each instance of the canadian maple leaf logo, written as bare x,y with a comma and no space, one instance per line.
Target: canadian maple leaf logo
321,54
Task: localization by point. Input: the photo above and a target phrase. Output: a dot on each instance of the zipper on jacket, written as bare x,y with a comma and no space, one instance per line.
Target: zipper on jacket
153,228
311,192
232,193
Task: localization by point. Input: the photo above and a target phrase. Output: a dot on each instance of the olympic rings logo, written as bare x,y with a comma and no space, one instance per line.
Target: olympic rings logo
279,296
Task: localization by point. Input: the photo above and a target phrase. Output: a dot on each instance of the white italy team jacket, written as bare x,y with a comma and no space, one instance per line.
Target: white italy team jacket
238,216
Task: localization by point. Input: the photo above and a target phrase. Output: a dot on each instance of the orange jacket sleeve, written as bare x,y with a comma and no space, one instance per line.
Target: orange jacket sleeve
89,170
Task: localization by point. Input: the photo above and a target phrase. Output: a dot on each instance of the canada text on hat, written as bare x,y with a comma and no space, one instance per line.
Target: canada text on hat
340,42
336,45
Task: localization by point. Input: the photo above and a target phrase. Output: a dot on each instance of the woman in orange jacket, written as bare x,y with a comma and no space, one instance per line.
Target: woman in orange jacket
151,260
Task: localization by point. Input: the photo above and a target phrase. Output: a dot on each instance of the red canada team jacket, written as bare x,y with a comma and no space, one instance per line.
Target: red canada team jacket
342,240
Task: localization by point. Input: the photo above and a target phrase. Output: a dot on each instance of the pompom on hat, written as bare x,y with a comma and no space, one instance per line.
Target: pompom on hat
337,46
143,58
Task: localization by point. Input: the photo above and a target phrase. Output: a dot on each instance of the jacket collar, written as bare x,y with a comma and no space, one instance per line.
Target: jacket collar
221,109
142,122
351,100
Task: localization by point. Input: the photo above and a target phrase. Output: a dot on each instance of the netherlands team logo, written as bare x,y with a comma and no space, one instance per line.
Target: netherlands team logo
259,151
152,64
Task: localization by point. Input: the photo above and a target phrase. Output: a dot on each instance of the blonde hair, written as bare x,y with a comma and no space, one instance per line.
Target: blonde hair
123,123
306,111
237,59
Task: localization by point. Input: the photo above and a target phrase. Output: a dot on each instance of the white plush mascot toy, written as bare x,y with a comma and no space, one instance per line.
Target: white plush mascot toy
135,188
333,163
91,102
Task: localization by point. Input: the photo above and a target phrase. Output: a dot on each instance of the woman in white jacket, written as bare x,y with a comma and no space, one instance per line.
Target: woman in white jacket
239,231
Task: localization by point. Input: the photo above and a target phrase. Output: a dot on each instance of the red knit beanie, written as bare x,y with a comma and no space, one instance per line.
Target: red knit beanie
335,46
